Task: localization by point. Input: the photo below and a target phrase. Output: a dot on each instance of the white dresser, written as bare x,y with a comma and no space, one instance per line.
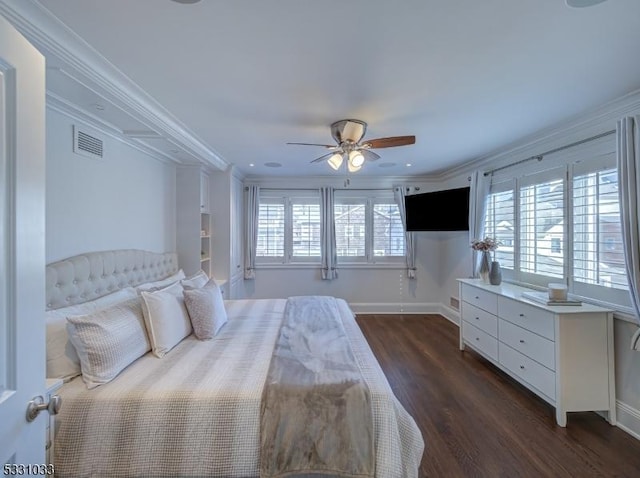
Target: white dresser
562,353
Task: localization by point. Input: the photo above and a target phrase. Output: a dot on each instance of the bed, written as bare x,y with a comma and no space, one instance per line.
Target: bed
198,410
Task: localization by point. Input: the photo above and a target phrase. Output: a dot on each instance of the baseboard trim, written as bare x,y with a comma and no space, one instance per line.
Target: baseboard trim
628,419
451,314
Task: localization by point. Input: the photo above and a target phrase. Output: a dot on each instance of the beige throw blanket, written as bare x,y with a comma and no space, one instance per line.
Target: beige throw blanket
316,417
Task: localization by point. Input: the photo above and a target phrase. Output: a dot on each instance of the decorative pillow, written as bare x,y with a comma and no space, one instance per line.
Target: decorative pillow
162,283
166,318
206,310
196,281
108,341
62,359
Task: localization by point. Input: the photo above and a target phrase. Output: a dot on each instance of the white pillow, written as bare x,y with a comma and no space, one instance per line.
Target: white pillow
62,359
162,283
206,310
166,318
196,281
108,341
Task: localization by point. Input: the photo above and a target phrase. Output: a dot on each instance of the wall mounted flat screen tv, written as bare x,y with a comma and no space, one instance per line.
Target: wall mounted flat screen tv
446,210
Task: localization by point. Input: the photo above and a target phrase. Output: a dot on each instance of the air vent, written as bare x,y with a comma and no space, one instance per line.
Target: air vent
86,144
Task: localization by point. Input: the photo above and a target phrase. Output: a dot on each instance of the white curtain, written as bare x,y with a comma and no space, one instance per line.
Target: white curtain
628,157
398,195
328,235
480,185
252,200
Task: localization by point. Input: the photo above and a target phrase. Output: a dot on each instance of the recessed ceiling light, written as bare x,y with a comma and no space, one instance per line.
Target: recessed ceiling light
251,165
386,165
273,165
186,2
583,3
408,165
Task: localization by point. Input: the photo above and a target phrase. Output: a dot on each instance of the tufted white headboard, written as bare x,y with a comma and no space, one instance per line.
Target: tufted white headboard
88,276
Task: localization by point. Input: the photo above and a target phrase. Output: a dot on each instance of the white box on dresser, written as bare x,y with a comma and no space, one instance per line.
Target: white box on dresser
564,354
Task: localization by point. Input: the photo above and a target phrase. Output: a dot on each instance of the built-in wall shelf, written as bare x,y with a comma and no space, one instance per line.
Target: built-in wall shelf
193,220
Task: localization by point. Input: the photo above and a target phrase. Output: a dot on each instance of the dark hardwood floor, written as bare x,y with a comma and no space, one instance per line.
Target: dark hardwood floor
478,422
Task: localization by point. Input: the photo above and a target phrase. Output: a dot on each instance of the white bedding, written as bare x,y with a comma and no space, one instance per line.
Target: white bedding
196,412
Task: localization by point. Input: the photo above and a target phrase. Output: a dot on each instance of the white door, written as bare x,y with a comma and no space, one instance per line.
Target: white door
22,253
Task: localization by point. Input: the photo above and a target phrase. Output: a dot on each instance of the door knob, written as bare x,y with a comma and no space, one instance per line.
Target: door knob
36,405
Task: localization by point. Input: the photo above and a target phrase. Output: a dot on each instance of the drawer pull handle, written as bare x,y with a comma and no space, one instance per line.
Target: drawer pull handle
521,315
522,367
477,297
521,341
478,338
477,318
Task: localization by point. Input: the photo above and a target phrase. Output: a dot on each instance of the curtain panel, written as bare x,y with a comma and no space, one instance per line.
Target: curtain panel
399,195
252,200
480,185
628,159
328,250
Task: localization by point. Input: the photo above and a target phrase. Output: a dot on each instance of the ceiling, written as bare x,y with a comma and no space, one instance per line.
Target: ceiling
244,77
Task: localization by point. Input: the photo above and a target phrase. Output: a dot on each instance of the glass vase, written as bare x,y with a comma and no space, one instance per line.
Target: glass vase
495,273
484,267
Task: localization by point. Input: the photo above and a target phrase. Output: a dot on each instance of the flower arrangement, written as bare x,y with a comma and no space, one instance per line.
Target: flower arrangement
485,245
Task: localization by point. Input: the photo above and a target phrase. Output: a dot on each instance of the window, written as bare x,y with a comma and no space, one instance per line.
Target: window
305,219
288,227
388,232
542,228
500,223
368,228
563,225
598,256
270,229
350,226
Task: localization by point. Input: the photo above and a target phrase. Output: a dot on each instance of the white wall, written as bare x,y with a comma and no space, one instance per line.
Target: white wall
125,200
367,289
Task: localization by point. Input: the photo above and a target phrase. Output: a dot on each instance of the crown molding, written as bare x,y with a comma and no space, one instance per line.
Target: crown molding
51,36
583,125
338,182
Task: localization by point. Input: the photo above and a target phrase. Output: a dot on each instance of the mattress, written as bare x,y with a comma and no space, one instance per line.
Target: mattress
196,412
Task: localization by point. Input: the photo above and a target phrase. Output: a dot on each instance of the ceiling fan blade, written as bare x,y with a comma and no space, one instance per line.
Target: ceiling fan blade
369,155
389,142
315,144
323,157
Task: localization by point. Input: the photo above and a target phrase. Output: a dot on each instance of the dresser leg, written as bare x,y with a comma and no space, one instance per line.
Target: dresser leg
561,418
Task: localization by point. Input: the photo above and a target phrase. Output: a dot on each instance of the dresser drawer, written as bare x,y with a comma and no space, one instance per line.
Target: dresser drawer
480,298
480,318
532,345
480,341
527,316
528,370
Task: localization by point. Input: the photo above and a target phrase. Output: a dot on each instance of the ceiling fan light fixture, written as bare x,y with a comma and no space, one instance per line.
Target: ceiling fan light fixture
356,159
335,161
352,168
583,3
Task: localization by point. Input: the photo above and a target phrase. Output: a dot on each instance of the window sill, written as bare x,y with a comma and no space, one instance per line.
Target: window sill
299,265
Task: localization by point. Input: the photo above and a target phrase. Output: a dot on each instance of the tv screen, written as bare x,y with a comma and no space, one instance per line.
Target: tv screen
446,210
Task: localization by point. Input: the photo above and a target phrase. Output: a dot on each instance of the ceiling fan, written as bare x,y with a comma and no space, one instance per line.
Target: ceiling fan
349,134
